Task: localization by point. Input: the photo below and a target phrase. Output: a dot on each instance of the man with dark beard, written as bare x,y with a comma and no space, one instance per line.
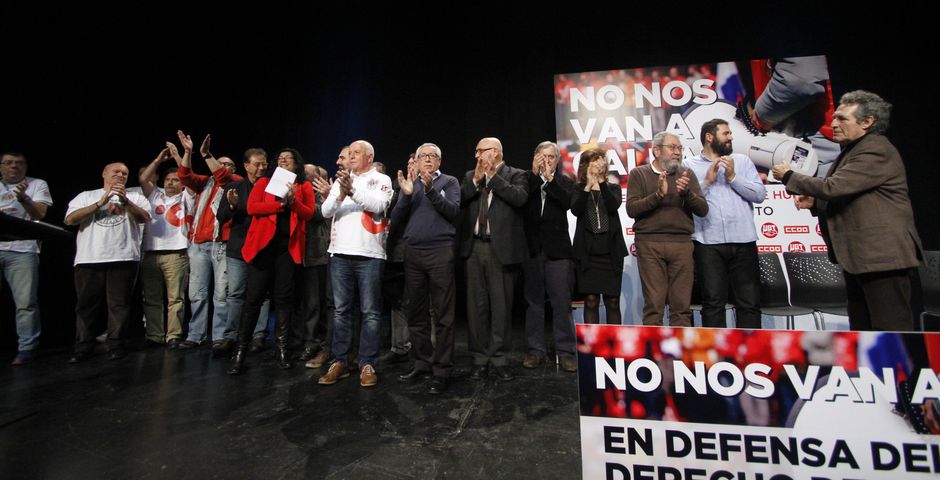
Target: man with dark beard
725,239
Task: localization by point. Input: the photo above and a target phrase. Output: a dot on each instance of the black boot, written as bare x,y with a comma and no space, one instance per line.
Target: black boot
238,360
281,328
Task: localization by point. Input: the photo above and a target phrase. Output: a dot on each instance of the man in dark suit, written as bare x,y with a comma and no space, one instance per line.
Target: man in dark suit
492,242
865,214
548,268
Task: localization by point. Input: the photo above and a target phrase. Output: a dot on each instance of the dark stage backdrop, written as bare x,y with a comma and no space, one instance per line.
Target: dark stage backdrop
82,86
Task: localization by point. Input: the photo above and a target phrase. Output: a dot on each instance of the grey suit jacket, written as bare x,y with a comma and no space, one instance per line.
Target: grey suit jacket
510,192
864,208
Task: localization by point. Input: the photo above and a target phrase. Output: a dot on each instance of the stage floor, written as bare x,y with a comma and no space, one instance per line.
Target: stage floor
176,414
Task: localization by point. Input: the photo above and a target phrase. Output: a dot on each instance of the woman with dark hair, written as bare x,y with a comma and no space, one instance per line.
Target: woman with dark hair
598,246
273,248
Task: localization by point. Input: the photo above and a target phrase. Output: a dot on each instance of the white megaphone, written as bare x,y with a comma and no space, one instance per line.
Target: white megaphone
764,149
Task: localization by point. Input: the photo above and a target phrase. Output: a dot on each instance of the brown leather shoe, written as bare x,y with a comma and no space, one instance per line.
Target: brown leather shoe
336,372
318,360
532,360
568,363
367,376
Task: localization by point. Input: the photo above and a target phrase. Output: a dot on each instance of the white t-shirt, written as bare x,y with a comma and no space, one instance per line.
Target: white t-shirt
37,190
106,236
170,218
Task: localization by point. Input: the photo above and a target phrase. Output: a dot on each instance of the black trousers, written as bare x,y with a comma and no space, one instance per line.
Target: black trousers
272,269
554,278
309,324
429,277
98,285
490,291
726,268
880,301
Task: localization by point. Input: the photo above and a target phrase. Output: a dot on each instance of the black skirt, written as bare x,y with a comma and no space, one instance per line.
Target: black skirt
598,274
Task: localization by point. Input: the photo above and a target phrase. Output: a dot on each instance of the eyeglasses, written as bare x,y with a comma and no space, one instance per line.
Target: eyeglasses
7,163
432,156
481,151
674,148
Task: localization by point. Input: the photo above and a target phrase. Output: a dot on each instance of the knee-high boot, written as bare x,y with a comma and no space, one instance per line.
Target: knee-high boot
245,327
282,329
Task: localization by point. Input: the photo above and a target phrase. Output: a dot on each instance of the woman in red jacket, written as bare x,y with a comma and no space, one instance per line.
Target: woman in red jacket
273,249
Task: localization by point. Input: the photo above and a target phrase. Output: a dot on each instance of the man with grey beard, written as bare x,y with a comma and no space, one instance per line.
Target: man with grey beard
662,197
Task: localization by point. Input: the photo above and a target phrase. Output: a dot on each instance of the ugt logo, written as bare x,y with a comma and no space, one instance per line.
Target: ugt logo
769,230
797,247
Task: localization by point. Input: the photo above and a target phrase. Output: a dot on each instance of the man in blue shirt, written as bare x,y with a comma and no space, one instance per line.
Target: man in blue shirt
725,240
428,206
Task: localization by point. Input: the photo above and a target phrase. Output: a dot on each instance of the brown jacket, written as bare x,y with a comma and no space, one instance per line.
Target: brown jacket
667,219
864,209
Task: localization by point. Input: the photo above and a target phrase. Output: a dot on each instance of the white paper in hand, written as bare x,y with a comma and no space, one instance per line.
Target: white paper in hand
281,179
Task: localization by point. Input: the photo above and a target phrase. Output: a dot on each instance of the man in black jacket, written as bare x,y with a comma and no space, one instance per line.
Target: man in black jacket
234,207
491,240
548,270
311,320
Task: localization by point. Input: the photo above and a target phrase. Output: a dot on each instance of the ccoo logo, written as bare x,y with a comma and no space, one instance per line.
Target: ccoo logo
794,229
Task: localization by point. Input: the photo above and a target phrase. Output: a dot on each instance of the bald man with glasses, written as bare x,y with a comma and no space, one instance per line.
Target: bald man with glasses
492,241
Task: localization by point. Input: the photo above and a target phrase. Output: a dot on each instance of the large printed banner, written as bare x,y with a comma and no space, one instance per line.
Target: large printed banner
778,109
694,403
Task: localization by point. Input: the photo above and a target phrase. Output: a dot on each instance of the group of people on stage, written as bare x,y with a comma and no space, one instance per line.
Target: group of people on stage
335,256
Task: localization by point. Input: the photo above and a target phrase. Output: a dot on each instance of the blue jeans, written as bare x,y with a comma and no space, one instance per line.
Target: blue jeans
21,271
207,264
349,276
237,273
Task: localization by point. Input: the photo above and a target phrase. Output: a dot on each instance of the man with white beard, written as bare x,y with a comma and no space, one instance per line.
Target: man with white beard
662,196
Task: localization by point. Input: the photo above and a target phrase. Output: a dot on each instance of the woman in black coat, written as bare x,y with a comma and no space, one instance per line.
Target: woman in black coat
598,246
